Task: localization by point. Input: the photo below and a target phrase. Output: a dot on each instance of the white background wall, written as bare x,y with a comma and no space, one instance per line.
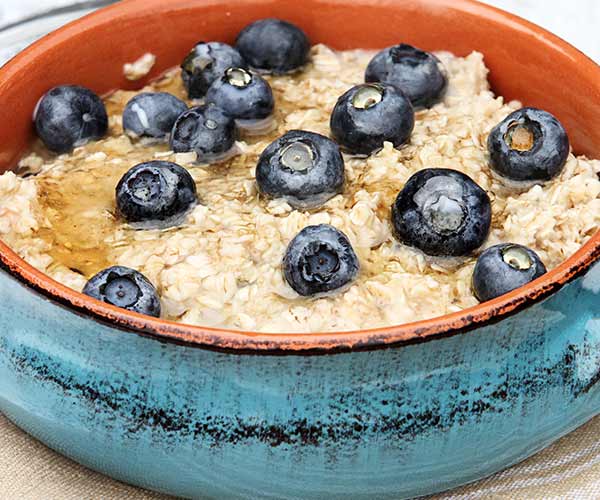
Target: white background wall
577,21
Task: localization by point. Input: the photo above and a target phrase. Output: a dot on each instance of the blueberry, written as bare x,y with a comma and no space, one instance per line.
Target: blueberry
368,115
205,63
503,268
69,116
304,168
420,75
157,193
126,288
273,46
318,260
442,212
152,114
242,95
207,130
528,145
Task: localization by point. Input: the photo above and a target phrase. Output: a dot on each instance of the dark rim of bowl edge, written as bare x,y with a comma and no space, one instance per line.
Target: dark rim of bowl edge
243,342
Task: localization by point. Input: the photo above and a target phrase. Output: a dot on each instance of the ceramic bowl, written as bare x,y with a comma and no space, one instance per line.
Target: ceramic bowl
388,413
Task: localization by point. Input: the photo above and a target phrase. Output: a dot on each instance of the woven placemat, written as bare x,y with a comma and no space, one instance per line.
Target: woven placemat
568,469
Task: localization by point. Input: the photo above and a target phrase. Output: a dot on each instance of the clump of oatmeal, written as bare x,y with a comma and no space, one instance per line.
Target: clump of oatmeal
139,68
222,267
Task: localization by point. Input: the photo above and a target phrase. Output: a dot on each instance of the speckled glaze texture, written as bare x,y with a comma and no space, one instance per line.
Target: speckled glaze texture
201,423
386,413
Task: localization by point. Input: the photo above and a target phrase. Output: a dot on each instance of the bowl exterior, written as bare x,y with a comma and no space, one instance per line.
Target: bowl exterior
391,423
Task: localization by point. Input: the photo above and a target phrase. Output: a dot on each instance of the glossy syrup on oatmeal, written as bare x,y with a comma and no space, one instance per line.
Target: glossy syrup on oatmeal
80,207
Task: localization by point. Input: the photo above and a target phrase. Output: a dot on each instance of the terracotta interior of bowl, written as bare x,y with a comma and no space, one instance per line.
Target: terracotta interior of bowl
525,62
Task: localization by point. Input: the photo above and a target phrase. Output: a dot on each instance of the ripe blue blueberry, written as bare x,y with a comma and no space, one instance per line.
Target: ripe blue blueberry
368,115
243,95
155,194
304,168
442,212
205,63
273,46
503,268
69,116
126,288
206,130
320,259
528,145
152,114
420,75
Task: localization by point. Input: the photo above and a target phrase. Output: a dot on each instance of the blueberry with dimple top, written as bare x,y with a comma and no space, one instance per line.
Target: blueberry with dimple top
205,63
442,212
156,193
69,116
152,114
273,46
503,268
304,168
368,115
242,95
206,130
528,145
319,260
126,288
420,75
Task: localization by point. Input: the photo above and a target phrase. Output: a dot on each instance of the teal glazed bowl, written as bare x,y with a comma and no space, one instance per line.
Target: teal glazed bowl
388,413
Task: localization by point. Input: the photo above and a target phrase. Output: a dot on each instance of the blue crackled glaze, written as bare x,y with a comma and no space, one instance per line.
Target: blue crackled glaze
391,423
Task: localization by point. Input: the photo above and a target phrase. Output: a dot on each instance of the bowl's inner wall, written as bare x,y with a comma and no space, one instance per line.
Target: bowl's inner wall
525,62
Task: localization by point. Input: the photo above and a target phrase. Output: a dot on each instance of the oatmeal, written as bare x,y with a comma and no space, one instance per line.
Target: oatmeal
222,267
140,68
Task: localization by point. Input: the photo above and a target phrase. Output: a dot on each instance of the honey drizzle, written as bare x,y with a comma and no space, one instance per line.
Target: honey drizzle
79,206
